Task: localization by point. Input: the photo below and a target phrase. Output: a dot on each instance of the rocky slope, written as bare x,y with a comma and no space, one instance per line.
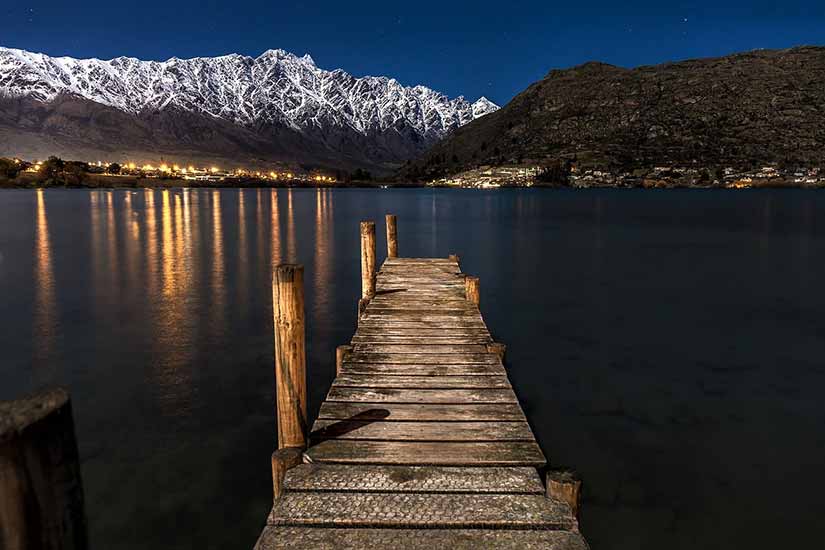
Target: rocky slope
277,106
747,109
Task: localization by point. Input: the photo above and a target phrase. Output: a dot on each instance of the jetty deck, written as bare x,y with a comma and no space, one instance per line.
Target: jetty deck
421,441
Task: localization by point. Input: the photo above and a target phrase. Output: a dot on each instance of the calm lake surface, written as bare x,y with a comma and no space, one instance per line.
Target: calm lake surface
669,345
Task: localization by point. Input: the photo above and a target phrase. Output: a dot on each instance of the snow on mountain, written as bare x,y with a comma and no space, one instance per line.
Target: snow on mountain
276,87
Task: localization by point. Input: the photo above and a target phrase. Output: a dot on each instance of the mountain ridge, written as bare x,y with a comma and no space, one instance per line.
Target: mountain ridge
333,111
743,109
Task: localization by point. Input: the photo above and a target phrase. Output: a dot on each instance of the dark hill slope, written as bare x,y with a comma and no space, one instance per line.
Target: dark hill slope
741,110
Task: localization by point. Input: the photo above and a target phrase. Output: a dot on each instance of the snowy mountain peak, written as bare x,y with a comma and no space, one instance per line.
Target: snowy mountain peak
275,88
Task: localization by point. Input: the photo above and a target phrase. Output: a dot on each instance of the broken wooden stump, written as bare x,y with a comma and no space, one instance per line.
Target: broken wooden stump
41,492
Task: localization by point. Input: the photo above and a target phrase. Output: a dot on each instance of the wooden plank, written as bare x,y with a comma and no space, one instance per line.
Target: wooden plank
430,412
422,382
425,510
443,349
386,395
367,478
338,538
420,431
421,371
373,331
415,311
452,453
424,358
453,308
420,341
389,322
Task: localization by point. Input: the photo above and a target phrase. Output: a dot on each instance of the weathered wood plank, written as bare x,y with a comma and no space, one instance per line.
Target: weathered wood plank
452,453
420,431
408,479
425,358
432,511
443,349
431,412
421,382
384,395
421,371
481,339
337,538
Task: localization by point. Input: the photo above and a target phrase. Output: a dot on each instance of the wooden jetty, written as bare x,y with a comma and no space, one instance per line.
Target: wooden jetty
421,442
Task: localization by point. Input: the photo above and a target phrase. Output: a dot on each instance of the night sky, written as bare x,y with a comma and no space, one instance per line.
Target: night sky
472,49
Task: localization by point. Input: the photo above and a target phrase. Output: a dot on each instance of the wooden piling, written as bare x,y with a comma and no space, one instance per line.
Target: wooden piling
471,289
565,485
454,258
367,265
392,236
290,355
340,354
498,348
283,460
41,492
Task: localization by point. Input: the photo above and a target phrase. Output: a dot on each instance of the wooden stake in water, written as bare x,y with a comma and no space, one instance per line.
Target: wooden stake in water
367,265
41,492
471,289
341,353
290,355
565,485
392,236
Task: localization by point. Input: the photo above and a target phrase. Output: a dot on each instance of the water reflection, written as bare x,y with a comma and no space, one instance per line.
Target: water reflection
275,229
218,302
243,253
290,228
45,318
323,254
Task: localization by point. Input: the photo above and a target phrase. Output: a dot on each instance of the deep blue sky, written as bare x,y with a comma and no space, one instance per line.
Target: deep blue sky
474,48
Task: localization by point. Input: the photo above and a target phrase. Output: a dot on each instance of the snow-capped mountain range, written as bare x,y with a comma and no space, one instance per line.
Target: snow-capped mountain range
276,88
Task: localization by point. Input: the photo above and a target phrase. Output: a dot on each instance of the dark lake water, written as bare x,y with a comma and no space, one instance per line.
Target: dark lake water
669,345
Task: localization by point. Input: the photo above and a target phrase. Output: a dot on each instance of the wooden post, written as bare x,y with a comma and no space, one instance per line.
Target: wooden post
471,289
565,485
290,355
41,492
392,236
283,460
454,257
341,353
367,260
498,348
367,265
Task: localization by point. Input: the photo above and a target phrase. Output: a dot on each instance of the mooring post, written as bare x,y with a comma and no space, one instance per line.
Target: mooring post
471,289
341,353
498,348
290,355
565,485
367,265
283,460
41,492
392,236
